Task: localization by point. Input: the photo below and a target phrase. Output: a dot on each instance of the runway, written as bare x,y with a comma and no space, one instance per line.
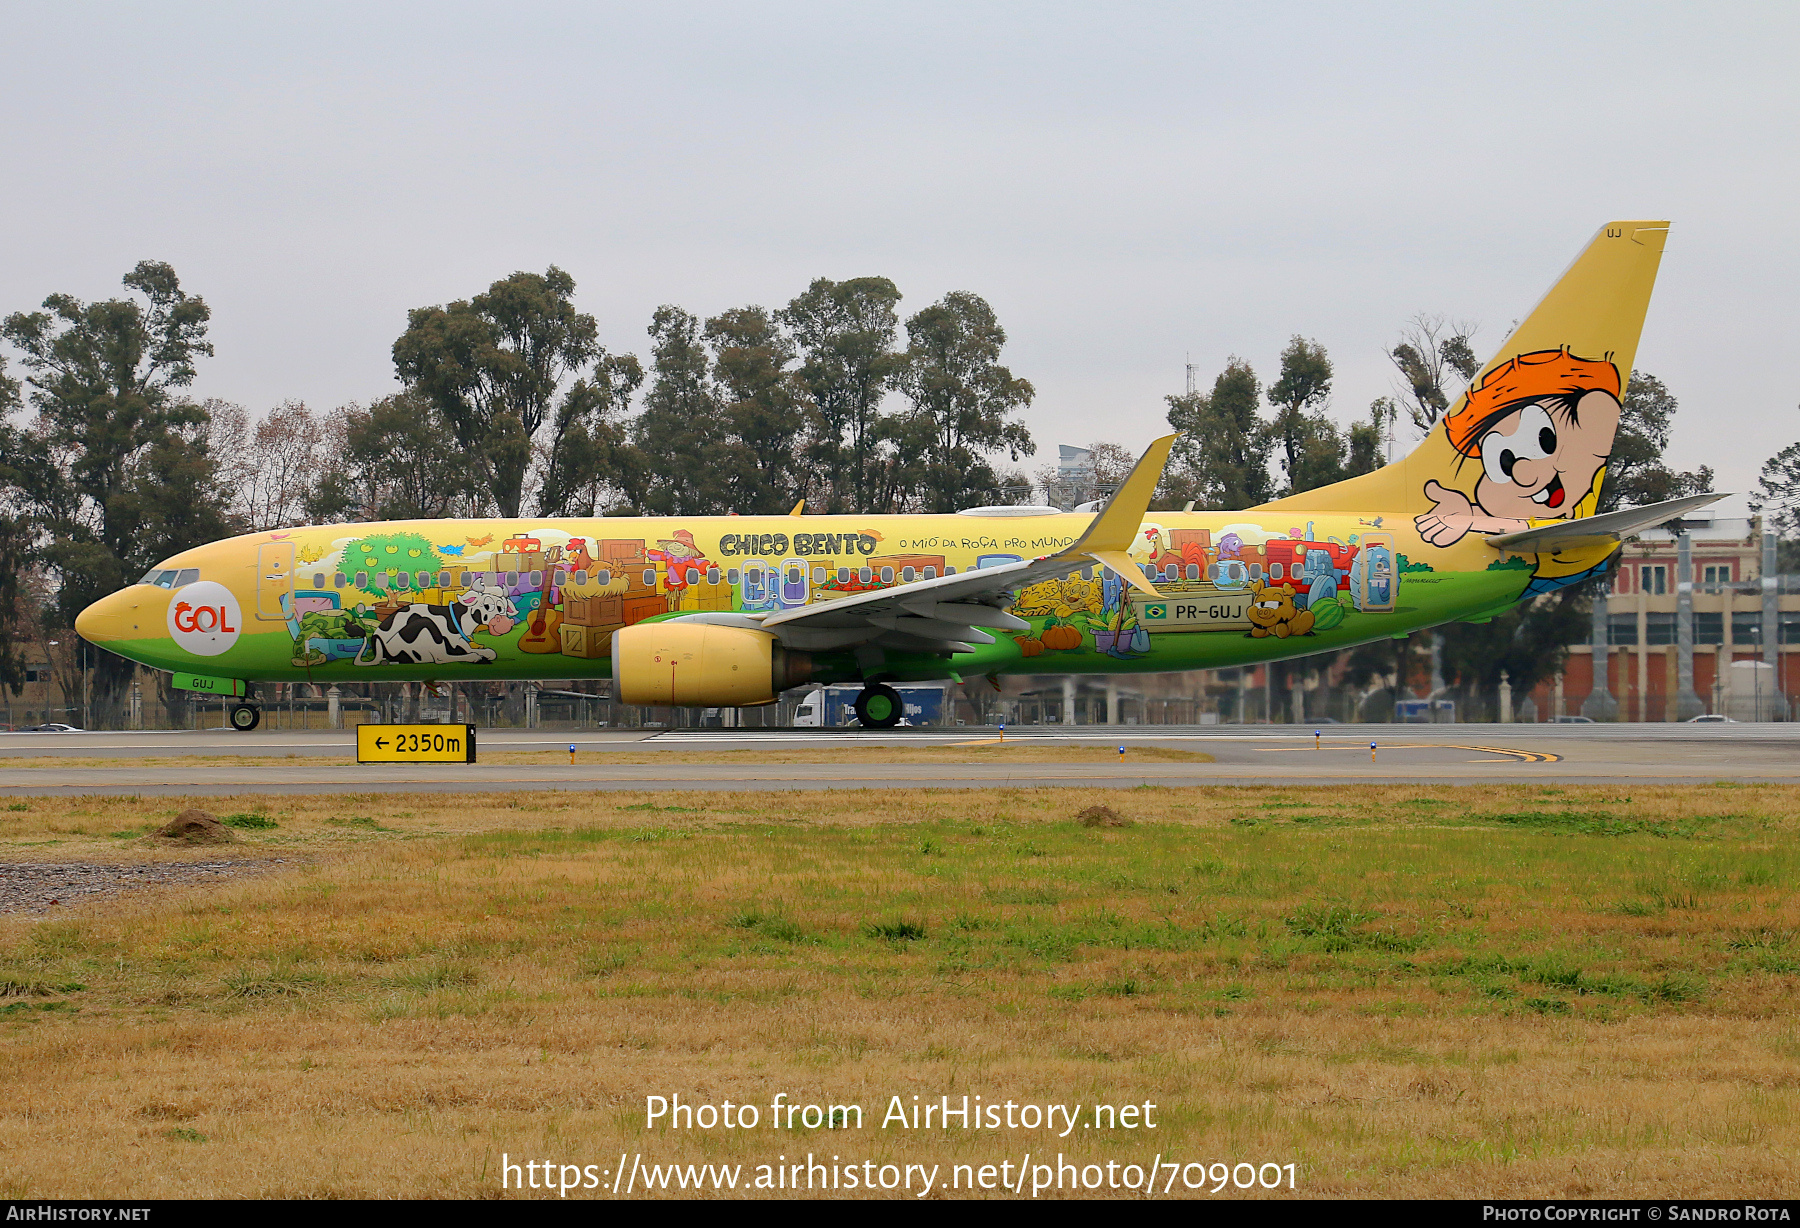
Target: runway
323,761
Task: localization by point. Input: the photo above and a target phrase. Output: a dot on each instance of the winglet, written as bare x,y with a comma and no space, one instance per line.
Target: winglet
799,509
1114,531
1128,571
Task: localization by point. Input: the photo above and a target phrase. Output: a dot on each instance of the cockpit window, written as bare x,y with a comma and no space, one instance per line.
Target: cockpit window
169,577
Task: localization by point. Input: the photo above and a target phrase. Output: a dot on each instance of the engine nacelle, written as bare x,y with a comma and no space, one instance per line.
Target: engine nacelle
701,665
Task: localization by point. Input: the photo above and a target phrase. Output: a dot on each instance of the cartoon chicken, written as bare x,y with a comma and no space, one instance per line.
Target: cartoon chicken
1542,426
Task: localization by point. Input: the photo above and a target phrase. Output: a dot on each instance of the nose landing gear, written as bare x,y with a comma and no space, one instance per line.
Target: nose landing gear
245,717
879,707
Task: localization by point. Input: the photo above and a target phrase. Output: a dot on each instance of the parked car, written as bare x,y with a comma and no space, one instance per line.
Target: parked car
1711,718
1571,720
52,727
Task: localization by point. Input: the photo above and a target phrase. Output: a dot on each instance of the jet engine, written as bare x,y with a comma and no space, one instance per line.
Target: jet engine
703,665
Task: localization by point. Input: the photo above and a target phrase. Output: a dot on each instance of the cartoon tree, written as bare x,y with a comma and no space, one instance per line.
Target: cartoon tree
383,555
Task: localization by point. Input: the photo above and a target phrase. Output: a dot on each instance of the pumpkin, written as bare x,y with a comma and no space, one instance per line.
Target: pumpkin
1028,647
1062,635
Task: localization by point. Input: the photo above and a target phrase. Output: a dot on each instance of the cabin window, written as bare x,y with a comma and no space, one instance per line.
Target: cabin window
693,575
733,575
424,579
649,577
362,579
818,575
1193,571
339,580
843,575
1276,571
603,577
443,579
187,576
931,573
887,575
712,575
402,580
318,579
865,575
464,580
908,574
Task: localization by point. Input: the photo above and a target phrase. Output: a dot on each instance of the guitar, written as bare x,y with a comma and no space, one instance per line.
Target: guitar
543,630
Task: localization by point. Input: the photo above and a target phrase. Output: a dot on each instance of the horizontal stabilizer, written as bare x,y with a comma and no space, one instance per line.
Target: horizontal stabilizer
1599,530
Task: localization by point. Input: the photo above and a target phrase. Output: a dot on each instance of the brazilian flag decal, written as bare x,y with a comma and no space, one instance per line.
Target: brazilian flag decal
1156,611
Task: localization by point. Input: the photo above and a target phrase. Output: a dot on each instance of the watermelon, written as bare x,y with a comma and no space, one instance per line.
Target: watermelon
1327,613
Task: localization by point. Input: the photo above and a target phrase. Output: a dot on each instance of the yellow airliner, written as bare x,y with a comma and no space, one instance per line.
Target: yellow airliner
1494,507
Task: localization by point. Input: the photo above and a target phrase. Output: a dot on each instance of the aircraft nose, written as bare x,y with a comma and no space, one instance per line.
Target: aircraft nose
116,617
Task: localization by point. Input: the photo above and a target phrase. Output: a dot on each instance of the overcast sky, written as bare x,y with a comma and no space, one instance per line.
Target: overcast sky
1126,184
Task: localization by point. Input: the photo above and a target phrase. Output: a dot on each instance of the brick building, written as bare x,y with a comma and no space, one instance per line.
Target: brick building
1704,624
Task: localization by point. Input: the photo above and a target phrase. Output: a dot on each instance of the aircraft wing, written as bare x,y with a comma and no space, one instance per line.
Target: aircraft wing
945,614
1599,530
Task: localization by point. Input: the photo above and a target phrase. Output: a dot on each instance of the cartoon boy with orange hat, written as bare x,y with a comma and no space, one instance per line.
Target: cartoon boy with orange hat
1542,426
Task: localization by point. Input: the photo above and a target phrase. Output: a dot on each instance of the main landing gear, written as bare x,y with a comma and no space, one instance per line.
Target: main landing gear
879,707
245,717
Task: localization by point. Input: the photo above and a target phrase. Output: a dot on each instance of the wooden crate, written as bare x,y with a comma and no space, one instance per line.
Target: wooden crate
613,550
599,611
588,643
637,609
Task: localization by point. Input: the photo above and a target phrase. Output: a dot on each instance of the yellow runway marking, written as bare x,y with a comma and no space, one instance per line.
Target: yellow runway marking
1522,756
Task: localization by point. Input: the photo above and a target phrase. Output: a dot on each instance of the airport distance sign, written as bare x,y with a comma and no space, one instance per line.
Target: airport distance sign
415,743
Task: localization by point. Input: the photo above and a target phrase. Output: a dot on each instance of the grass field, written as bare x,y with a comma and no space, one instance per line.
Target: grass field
1509,991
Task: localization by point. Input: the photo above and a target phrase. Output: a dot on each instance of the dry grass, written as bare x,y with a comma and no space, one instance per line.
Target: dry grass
1405,991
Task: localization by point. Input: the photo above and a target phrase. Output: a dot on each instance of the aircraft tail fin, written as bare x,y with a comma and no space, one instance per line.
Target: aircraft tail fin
1579,339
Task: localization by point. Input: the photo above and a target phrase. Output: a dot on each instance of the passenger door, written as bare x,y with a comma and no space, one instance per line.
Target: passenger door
274,580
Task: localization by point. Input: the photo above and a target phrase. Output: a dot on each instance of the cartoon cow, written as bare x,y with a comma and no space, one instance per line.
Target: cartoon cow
421,634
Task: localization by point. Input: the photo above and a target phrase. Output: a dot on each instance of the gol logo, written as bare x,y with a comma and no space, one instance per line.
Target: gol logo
204,618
